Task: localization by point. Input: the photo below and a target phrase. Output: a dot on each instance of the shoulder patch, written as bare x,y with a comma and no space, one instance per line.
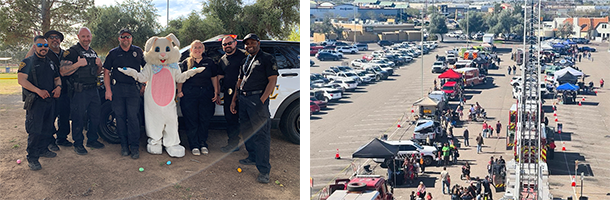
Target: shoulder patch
21,65
66,53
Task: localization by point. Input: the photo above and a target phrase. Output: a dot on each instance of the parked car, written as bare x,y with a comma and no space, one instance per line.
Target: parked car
313,51
452,89
586,48
322,56
362,46
313,108
341,44
332,52
348,85
439,67
358,62
408,148
426,128
384,43
347,49
330,94
440,97
323,104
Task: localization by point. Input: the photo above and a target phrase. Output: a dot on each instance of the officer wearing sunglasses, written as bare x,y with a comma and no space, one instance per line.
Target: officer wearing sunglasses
124,91
228,71
39,77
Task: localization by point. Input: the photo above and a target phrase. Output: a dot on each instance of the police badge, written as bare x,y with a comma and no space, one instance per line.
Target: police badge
21,65
135,54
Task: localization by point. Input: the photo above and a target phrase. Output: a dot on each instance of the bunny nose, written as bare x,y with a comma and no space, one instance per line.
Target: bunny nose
162,54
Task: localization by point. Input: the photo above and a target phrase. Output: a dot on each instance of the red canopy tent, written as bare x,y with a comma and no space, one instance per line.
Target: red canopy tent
450,74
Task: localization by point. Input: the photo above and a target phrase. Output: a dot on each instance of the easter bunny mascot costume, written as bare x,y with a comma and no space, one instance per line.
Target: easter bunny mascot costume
162,73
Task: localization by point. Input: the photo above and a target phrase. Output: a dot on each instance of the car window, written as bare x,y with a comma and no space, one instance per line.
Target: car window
406,148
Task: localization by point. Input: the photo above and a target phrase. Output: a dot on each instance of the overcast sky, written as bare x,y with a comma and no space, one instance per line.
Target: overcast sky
177,8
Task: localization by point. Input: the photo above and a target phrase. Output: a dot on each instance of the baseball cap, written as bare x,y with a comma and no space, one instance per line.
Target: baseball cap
51,32
251,36
125,30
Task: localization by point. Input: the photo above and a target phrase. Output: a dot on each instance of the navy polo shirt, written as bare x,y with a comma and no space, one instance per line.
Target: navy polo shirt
118,58
229,65
204,78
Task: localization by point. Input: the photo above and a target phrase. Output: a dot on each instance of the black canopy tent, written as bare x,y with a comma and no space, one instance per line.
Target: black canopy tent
378,149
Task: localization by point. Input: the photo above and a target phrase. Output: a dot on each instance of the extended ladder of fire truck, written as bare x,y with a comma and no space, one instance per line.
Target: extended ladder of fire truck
527,173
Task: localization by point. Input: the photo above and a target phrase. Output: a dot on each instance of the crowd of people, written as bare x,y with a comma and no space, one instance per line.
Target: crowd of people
63,84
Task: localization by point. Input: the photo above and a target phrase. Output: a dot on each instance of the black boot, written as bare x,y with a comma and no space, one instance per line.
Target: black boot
135,153
34,165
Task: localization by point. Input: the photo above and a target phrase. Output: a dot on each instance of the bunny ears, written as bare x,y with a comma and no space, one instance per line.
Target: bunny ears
150,43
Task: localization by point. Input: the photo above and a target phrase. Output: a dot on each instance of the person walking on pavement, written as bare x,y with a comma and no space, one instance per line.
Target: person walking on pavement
228,71
446,152
466,134
444,180
41,85
257,79
124,91
514,70
485,129
509,69
601,83
479,143
197,97
83,66
498,127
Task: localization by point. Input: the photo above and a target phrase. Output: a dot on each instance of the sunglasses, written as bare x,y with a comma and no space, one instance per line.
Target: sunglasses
41,45
126,37
54,37
227,44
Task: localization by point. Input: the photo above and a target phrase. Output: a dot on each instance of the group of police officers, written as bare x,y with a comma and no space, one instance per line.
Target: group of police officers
62,84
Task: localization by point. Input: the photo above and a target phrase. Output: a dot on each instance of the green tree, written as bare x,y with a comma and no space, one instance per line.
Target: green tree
295,34
518,9
475,22
497,8
412,12
21,19
137,15
227,11
438,25
565,30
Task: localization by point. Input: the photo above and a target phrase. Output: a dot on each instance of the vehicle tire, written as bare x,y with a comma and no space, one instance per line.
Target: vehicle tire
290,124
326,99
356,186
335,59
377,78
108,124
321,59
428,160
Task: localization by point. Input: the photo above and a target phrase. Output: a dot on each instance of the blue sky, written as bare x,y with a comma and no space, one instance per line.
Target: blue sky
177,8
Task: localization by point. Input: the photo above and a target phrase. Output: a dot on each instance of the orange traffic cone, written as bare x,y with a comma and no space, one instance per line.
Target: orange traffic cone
579,103
412,110
595,91
556,119
562,148
339,157
573,181
398,126
555,113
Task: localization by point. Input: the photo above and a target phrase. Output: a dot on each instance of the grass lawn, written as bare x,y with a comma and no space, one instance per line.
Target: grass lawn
8,84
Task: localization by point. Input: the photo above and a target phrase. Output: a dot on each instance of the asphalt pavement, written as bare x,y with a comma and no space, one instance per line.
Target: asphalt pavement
376,109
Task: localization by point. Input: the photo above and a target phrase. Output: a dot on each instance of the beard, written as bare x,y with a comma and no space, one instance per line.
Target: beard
229,50
42,53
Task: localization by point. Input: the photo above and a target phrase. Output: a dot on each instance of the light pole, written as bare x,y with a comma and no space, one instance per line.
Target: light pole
422,49
167,23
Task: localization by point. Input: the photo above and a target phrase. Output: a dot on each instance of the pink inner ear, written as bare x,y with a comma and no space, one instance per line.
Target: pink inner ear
163,87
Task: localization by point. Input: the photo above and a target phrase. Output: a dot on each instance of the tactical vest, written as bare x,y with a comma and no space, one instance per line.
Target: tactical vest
86,75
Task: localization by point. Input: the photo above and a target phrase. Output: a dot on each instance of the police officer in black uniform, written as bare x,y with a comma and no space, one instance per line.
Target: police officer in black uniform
39,77
228,70
257,79
124,91
62,109
83,66
197,97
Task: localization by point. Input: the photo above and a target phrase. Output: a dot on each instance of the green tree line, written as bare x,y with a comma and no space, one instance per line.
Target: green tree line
20,20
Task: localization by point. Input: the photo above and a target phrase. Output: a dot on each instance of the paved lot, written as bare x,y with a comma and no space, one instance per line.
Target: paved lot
376,109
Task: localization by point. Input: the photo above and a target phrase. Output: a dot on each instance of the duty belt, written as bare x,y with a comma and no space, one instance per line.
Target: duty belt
249,93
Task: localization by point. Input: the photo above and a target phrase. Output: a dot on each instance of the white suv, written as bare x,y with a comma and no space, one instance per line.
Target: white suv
347,49
408,148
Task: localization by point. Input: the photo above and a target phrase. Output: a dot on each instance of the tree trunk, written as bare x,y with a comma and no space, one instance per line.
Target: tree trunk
45,14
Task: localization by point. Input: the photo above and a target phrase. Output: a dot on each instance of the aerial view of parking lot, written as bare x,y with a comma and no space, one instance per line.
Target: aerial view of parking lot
470,100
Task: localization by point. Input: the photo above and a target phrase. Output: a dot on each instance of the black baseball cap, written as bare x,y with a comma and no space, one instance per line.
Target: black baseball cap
51,32
251,36
125,30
